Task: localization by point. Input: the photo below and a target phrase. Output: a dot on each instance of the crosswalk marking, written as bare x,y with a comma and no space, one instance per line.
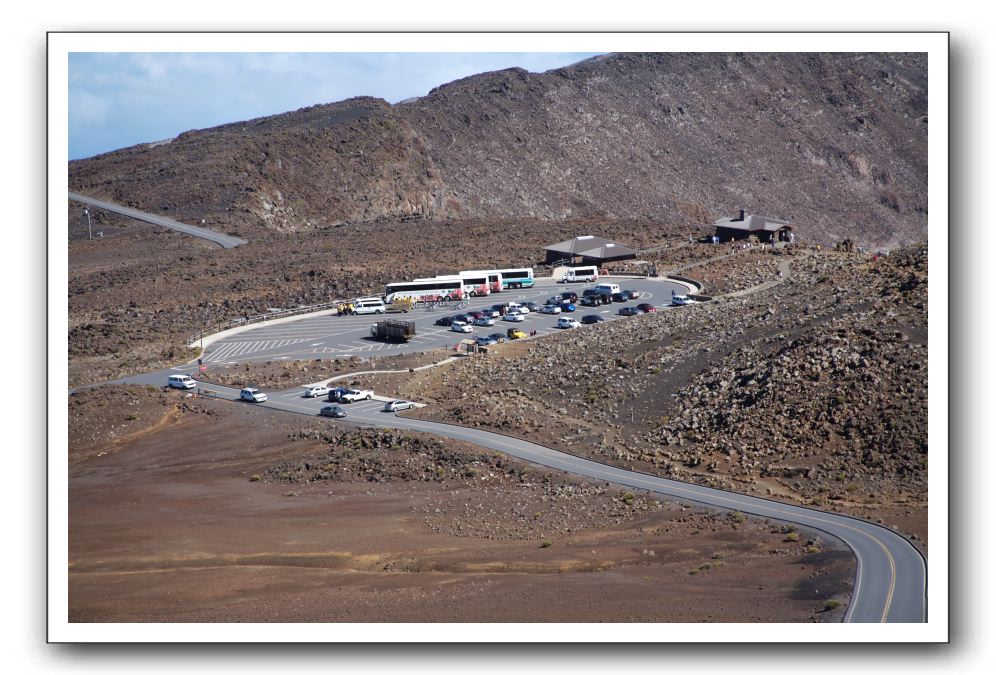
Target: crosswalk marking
229,350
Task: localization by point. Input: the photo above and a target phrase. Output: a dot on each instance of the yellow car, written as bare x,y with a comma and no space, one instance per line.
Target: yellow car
515,334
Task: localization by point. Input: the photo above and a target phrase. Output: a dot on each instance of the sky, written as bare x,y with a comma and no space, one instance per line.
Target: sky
121,99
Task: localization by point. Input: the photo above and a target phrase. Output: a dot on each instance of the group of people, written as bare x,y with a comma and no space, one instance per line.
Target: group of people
345,308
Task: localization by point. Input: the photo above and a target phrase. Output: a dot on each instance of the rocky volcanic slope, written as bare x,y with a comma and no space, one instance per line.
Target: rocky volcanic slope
834,142
814,390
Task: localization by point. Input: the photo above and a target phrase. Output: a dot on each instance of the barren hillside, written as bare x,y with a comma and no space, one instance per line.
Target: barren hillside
834,142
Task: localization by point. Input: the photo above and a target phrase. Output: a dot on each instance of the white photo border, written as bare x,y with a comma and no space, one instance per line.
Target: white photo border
935,44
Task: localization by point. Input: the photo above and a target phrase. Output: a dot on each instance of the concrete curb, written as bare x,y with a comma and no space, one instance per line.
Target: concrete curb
692,285
228,332
325,383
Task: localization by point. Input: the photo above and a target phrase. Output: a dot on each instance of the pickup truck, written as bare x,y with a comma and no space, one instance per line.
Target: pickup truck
354,395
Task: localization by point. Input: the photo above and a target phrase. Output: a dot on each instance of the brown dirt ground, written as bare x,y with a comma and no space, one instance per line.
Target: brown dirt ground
166,524
544,409
287,374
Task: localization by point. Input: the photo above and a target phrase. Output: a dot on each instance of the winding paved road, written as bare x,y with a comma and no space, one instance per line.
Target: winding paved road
890,584
226,241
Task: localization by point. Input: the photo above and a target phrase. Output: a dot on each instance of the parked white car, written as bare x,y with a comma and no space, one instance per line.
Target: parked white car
395,406
319,390
484,321
678,300
567,322
513,317
461,327
252,395
551,309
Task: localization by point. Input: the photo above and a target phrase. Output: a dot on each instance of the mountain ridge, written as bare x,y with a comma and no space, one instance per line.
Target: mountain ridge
836,143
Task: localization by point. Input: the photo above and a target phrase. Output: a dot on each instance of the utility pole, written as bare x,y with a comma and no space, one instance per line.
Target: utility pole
89,226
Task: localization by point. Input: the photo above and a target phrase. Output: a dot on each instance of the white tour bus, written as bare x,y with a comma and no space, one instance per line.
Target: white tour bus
440,288
475,283
517,278
589,273
369,306
494,278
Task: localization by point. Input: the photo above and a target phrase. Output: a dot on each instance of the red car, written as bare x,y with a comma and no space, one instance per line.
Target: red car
646,307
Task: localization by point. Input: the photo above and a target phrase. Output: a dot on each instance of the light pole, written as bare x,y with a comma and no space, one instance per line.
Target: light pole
89,227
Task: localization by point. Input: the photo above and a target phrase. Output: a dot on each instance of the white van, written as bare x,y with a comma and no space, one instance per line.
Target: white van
182,382
581,274
369,306
607,289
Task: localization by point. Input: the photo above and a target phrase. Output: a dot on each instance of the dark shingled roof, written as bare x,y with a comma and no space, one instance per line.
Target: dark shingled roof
591,247
753,223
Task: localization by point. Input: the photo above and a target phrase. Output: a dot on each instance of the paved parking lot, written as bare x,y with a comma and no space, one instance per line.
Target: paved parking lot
331,337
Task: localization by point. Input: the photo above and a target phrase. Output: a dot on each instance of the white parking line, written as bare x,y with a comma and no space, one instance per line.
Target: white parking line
366,406
223,352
